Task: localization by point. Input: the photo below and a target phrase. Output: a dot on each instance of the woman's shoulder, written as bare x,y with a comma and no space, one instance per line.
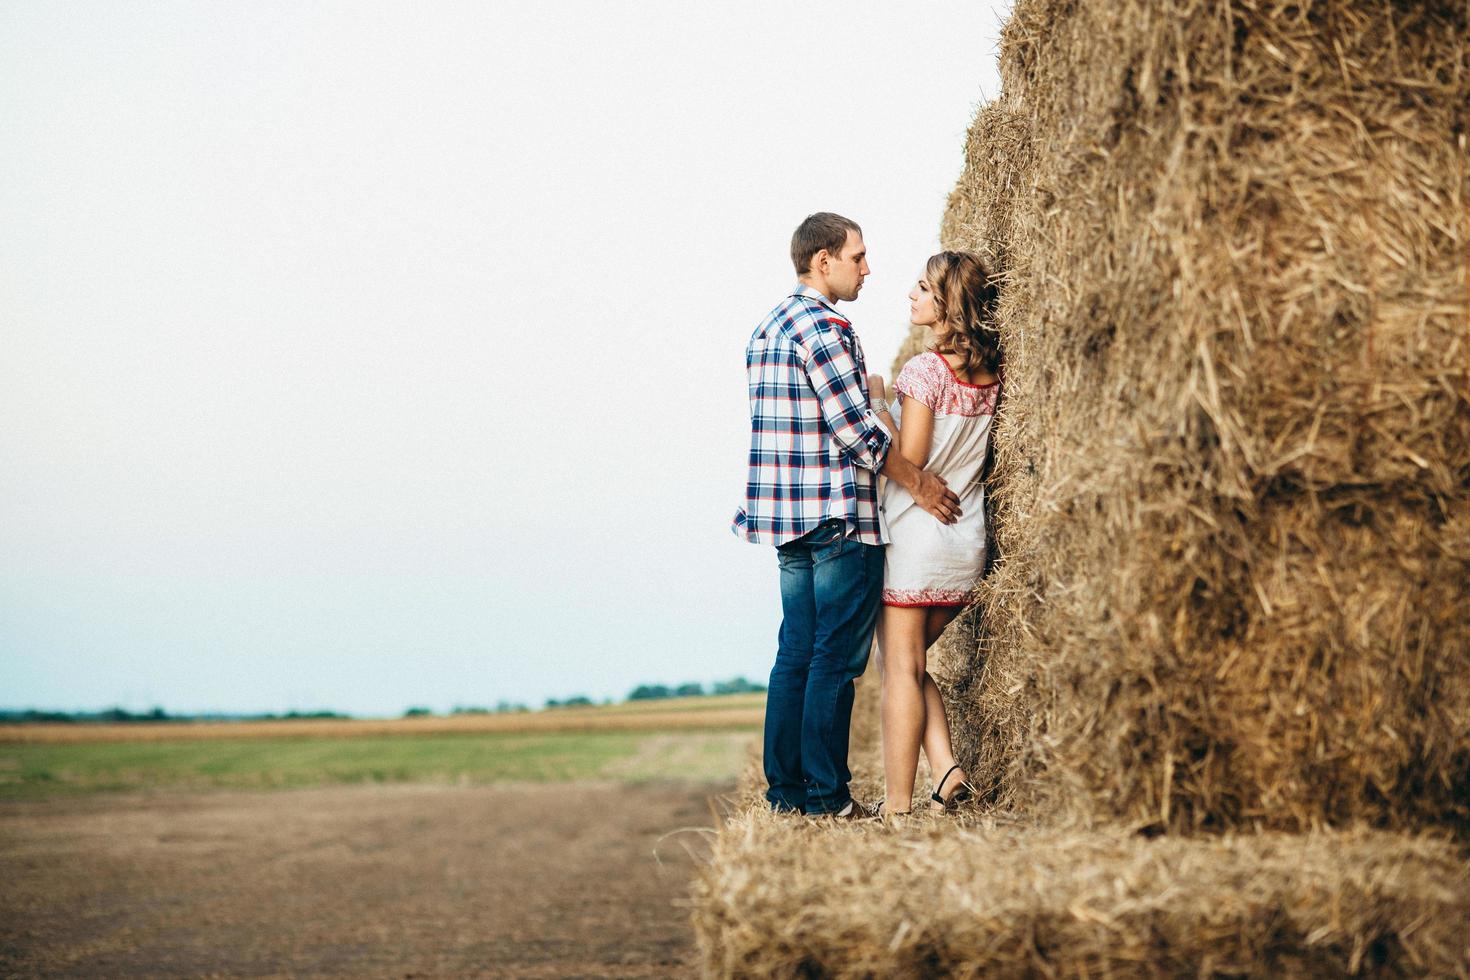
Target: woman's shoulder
924,378
931,379
928,365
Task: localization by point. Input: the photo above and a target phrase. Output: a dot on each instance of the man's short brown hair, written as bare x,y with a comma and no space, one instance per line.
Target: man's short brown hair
821,230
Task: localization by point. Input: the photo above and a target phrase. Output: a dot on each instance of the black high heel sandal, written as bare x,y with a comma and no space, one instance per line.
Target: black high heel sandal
957,797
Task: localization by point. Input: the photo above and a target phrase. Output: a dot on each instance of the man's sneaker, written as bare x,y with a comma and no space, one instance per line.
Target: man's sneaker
857,812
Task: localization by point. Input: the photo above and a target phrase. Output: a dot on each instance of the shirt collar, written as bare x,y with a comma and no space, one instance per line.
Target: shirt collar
802,289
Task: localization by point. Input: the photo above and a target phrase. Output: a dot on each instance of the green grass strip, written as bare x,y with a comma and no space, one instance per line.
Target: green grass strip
36,771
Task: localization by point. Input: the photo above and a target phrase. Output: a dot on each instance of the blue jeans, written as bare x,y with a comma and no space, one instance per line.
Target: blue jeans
830,587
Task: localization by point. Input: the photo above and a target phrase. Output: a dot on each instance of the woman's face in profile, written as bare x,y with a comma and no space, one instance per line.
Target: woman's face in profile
921,303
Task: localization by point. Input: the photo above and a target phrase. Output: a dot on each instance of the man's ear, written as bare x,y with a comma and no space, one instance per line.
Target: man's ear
820,260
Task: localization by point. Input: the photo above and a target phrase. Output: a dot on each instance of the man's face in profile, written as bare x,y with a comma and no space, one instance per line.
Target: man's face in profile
846,271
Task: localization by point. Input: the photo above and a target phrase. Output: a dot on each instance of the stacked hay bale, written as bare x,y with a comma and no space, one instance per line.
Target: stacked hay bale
1234,467
784,899
1232,500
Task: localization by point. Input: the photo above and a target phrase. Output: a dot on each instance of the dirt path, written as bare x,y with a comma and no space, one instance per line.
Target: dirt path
405,880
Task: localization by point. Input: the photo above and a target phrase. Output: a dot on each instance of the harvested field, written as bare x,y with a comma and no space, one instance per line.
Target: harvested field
41,770
573,879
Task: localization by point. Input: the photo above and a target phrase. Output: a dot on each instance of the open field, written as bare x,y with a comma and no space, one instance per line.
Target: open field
529,852
526,880
724,711
701,739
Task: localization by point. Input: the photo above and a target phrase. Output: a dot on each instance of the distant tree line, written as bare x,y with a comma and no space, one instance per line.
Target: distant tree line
738,685
643,692
113,716
501,708
577,701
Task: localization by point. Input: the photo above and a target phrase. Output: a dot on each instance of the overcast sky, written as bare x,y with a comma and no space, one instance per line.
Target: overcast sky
367,355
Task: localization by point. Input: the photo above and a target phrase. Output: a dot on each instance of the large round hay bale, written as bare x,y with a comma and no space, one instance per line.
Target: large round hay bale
1233,481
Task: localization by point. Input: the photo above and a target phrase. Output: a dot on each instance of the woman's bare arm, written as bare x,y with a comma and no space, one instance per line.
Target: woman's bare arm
928,490
918,424
917,434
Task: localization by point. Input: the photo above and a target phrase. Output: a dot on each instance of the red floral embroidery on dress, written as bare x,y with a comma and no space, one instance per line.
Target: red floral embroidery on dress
929,378
926,597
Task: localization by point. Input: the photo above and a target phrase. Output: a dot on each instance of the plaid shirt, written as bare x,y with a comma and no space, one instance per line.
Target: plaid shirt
815,445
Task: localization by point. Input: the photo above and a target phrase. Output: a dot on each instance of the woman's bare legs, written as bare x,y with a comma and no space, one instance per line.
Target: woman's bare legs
913,711
937,747
901,640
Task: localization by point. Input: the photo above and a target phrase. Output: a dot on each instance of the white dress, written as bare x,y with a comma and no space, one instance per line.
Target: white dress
929,563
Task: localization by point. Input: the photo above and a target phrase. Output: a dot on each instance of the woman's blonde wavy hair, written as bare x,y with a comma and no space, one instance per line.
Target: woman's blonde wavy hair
965,298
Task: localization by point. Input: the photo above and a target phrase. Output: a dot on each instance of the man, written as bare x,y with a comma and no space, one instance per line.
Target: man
816,450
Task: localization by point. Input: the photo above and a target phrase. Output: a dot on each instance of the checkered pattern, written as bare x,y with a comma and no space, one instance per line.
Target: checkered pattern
815,445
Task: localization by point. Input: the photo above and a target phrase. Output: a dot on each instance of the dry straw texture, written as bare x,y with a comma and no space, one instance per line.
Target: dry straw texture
786,898
1234,463
1216,689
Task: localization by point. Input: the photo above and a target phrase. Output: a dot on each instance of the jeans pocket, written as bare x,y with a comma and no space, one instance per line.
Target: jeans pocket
830,543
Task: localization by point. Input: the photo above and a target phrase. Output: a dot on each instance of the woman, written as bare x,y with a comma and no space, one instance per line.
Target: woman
947,396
